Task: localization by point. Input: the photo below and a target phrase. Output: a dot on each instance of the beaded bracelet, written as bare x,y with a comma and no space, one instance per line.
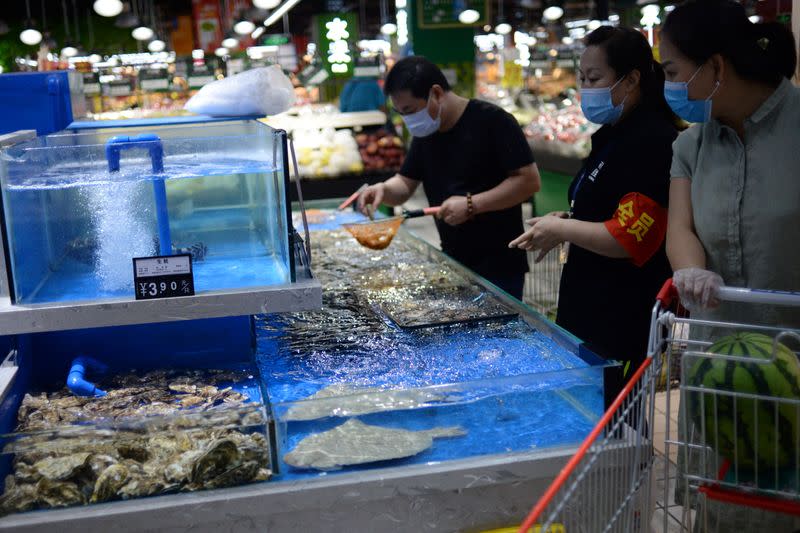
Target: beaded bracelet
470,206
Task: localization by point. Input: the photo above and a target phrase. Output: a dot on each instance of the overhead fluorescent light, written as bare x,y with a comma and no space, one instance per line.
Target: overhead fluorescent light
278,13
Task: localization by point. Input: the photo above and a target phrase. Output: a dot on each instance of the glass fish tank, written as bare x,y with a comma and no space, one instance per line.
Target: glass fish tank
412,361
79,206
151,433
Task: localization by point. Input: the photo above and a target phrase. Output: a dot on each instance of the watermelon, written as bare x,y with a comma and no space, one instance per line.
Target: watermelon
759,432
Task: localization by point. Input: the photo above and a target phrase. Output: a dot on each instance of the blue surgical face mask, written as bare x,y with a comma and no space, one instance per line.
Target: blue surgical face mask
677,96
420,124
598,107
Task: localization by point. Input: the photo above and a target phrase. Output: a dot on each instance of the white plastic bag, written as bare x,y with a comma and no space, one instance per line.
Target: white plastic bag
260,91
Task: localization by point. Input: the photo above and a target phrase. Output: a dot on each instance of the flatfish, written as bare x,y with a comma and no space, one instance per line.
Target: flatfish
354,443
345,400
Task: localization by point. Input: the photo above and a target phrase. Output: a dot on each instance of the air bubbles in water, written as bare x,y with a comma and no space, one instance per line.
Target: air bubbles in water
119,215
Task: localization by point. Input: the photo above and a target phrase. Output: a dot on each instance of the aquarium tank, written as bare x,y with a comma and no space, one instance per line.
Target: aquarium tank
79,206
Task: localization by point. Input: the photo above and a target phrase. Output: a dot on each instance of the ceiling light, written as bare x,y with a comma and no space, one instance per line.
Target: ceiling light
142,33
553,13
244,27
230,42
258,32
593,25
390,28
69,51
266,4
198,54
504,28
108,8
221,51
667,9
95,58
469,16
650,10
567,40
156,45
400,4
30,36
755,19
276,15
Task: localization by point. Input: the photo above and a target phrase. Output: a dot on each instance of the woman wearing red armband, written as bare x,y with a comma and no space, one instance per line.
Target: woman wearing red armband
618,218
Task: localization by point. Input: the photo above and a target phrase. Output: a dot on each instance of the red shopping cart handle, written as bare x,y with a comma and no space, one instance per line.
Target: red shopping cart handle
667,294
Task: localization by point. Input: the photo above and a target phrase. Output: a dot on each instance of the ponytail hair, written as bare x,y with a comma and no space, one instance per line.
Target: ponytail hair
628,50
764,53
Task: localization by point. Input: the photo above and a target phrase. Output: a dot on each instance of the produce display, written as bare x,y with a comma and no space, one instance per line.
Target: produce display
752,432
327,153
381,151
564,132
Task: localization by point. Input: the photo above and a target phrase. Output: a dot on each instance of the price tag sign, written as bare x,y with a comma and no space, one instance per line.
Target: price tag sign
163,276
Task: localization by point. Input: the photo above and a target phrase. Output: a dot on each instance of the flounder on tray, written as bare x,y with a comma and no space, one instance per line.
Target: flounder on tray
355,442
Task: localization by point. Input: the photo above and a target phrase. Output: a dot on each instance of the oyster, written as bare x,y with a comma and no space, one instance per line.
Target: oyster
100,462
19,498
100,449
110,481
218,457
355,443
237,475
59,493
64,467
133,449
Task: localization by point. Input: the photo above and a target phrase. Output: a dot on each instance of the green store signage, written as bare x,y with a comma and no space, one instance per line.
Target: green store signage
335,34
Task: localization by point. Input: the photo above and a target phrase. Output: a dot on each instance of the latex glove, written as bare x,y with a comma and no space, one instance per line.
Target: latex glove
454,210
544,235
698,288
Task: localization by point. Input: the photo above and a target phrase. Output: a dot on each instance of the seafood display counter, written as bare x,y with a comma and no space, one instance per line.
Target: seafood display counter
419,398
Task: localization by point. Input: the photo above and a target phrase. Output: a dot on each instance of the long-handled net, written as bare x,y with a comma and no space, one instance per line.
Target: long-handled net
377,234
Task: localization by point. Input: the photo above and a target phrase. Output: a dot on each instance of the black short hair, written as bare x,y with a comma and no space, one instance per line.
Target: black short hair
628,50
758,52
415,74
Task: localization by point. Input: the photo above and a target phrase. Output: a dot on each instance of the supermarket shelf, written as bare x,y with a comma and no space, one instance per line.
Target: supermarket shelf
289,122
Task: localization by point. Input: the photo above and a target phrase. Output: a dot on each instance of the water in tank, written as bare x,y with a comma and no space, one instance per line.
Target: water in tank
79,206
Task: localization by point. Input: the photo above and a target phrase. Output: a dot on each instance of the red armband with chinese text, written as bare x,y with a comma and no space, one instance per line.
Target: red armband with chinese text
639,225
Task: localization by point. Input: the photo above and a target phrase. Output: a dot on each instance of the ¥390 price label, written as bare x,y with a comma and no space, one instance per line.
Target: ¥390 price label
163,276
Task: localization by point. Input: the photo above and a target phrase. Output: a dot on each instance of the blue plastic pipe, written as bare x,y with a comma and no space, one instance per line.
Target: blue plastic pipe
155,148
76,379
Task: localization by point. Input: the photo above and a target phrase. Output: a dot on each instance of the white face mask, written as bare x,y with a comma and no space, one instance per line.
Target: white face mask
420,124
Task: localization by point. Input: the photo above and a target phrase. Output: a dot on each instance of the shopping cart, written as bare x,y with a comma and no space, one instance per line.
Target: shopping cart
751,487
608,484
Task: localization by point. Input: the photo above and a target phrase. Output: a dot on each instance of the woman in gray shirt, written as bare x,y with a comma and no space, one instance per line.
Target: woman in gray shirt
734,215
734,207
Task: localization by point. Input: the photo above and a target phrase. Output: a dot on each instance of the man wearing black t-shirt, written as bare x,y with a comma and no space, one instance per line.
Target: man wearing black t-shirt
473,160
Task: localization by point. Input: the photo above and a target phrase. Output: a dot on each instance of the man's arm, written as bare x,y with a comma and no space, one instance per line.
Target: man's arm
518,187
394,191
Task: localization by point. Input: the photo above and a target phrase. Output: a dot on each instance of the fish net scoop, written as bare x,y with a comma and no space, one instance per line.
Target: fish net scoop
377,234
